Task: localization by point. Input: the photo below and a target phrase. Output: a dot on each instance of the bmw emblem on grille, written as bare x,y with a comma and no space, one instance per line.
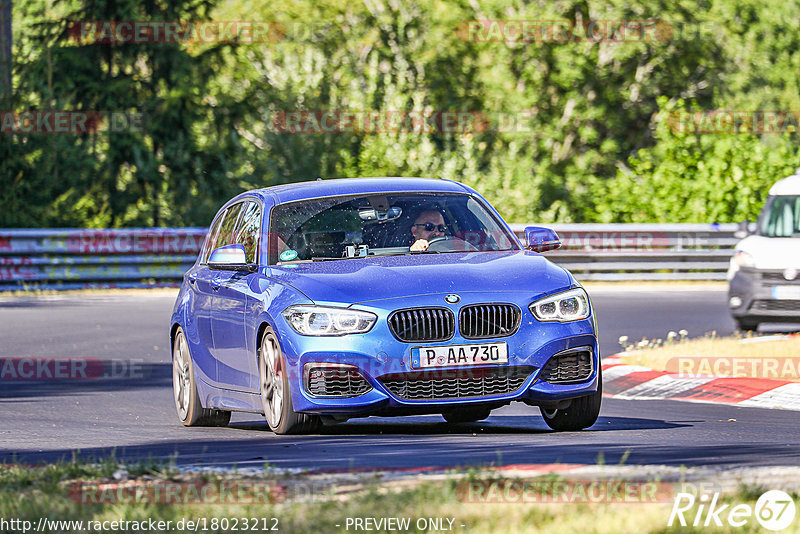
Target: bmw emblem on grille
452,299
789,274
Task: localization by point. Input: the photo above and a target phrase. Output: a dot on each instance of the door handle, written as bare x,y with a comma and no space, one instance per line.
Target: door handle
215,285
192,278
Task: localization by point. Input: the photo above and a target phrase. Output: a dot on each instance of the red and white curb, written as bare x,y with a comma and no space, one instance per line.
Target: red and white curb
624,381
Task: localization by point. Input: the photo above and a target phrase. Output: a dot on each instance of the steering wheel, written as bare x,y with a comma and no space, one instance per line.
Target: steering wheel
438,239
449,243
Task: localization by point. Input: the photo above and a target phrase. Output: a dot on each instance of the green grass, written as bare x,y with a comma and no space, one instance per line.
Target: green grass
29,493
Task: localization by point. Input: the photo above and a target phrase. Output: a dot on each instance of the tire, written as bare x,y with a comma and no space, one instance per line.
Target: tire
746,326
184,387
276,397
466,415
581,413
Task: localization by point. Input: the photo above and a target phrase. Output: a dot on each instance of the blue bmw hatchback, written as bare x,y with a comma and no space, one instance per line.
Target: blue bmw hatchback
321,301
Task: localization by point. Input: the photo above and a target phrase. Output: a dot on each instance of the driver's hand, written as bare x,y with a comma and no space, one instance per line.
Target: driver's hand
419,245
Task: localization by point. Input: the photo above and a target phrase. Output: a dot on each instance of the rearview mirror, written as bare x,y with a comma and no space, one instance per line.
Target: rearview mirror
371,214
230,258
541,239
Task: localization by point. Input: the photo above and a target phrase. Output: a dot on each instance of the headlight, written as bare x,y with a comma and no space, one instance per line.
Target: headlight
571,305
744,259
323,321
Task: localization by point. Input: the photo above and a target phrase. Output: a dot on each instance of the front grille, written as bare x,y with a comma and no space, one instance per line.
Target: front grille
482,321
456,384
336,382
776,305
422,324
777,276
568,367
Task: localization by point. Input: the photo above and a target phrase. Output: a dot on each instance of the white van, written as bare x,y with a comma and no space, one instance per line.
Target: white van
764,275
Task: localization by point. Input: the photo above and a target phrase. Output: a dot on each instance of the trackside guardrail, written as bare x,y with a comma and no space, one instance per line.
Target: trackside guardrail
616,252
152,257
85,258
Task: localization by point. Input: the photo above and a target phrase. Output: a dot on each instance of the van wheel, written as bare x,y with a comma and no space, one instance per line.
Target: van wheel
746,326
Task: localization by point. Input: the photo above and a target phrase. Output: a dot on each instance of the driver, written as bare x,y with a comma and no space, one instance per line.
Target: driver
429,224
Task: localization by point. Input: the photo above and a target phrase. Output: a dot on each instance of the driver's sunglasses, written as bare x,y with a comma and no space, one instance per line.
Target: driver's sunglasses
430,227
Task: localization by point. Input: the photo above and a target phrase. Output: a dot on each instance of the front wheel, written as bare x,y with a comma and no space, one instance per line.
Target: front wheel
746,326
276,397
581,413
184,387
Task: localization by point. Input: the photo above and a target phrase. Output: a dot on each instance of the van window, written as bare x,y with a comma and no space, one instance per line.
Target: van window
781,217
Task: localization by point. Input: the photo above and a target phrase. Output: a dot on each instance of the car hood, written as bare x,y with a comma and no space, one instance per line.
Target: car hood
368,279
772,252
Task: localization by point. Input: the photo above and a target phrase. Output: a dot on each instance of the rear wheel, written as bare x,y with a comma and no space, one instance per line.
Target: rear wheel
276,397
466,415
581,413
184,386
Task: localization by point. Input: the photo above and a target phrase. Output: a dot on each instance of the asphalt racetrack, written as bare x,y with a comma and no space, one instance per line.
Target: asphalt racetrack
134,417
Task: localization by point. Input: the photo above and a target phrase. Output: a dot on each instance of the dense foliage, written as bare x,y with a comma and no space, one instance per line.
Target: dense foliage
585,134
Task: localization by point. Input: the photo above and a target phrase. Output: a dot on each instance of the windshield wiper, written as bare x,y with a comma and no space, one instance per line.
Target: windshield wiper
326,258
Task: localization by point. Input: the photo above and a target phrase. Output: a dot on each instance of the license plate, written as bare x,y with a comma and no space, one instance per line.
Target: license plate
786,292
459,355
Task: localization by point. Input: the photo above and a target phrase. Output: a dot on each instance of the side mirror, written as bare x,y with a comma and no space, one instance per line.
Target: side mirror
229,258
541,239
744,229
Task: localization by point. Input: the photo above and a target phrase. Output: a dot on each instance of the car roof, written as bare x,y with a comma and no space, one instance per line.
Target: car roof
355,186
787,186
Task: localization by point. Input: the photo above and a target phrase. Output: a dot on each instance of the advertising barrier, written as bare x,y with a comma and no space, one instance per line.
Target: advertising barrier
155,257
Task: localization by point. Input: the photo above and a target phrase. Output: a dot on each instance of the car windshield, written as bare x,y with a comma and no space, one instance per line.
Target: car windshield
382,225
781,217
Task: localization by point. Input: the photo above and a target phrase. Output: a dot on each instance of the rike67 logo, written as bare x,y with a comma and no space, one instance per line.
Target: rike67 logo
774,510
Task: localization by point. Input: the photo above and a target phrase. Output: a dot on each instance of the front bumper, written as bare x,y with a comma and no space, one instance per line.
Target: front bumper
752,296
379,356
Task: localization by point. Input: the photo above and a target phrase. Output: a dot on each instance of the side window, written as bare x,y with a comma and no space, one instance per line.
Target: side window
783,218
211,238
249,230
227,231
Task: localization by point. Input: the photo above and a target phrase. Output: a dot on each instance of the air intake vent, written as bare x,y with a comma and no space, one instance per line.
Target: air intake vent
456,384
483,321
778,276
776,305
568,367
335,382
422,324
